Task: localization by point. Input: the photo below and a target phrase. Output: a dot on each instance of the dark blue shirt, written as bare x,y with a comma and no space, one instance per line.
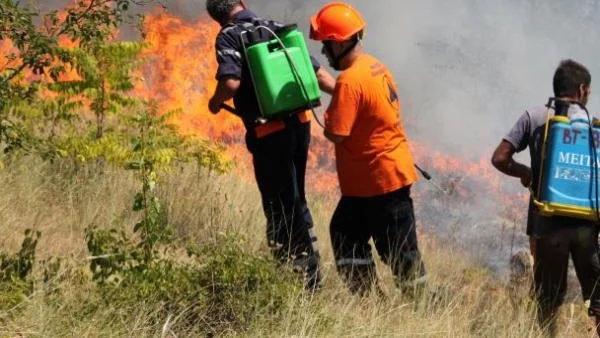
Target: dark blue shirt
230,59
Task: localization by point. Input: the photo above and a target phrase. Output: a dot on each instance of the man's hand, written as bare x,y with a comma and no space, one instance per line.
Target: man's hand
226,89
527,178
214,106
503,161
326,81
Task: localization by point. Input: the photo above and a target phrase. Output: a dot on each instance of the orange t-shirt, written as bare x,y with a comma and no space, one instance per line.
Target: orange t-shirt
374,158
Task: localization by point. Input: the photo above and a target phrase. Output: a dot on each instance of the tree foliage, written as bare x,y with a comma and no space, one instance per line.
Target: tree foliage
66,87
67,94
37,49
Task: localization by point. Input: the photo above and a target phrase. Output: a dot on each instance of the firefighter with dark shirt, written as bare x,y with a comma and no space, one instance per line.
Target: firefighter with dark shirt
279,147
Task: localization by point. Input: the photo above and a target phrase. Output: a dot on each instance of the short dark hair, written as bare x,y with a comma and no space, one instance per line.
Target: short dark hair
219,10
569,76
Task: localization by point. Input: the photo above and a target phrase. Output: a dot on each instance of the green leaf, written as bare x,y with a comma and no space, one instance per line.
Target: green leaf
139,202
133,166
138,226
137,145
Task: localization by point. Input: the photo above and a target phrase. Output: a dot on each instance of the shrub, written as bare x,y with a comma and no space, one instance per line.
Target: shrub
15,272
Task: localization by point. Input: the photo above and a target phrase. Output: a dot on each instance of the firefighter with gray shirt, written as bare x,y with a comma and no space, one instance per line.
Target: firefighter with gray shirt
553,239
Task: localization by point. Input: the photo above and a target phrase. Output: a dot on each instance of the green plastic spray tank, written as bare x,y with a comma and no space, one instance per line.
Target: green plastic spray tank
282,72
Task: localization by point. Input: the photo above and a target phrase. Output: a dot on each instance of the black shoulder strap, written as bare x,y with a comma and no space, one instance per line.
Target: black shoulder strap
244,24
256,22
252,34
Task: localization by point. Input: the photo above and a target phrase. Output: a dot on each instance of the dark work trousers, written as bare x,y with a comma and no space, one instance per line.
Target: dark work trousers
565,237
280,166
390,221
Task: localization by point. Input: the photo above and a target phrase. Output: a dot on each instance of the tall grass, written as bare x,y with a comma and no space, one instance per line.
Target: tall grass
463,300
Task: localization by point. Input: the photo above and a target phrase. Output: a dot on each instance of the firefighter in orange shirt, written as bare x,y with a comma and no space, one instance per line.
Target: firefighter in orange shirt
374,164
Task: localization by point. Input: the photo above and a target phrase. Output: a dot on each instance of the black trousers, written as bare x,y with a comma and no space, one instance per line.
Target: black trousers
280,166
562,238
390,221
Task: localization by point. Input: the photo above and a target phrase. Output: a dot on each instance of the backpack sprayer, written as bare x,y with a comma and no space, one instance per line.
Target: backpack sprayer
277,88
568,182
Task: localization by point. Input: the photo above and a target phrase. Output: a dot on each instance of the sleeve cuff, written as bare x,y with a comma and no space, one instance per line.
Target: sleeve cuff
514,144
337,132
316,65
226,76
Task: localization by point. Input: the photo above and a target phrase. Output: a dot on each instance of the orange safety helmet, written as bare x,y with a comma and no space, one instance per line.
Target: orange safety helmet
336,21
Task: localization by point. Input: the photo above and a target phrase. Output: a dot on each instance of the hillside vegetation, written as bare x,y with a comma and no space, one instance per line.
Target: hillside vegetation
114,225
212,276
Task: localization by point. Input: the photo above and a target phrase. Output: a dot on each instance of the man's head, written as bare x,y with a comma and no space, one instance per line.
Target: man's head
572,80
222,10
340,27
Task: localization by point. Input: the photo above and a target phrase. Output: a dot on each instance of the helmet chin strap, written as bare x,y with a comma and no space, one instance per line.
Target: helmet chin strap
338,59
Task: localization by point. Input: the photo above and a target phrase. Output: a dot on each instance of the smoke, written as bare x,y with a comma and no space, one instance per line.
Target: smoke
466,69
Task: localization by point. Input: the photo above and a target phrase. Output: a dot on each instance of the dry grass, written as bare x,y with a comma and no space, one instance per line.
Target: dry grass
464,300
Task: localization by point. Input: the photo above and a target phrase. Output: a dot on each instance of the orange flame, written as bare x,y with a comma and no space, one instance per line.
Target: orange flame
6,48
178,73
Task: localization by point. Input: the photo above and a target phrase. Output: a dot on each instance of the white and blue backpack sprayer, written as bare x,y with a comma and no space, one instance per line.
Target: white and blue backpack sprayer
568,179
282,73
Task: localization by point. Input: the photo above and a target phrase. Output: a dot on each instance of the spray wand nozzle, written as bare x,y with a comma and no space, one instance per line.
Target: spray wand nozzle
424,173
229,108
429,179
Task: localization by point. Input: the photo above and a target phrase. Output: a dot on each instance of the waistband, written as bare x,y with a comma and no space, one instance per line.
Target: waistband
269,127
402,193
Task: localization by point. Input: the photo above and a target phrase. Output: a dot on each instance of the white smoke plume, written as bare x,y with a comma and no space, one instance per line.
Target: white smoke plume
467,69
